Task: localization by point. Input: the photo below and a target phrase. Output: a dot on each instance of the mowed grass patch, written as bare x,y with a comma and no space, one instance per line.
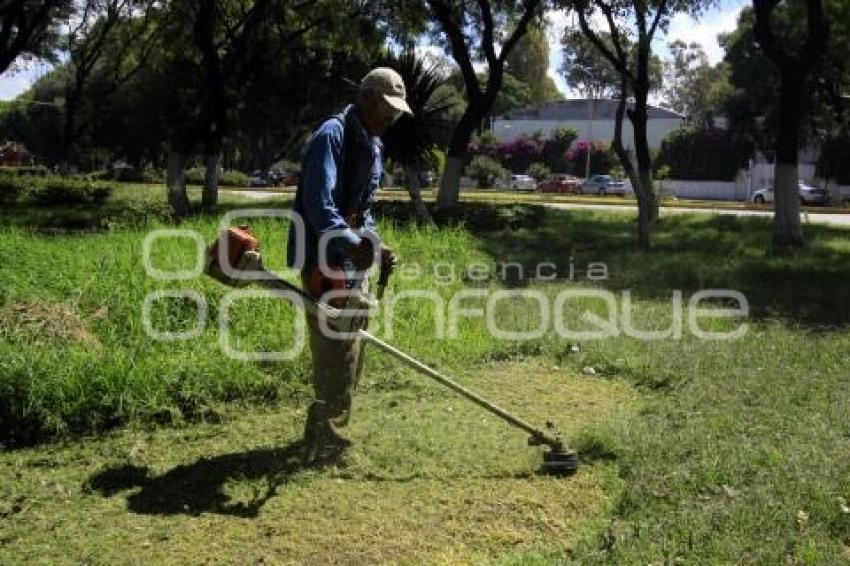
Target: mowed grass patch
430,479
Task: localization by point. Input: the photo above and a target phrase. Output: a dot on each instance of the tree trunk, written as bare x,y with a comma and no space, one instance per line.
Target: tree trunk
787,228
449,192
209,199
69,127
413,189
176,183
458,153
638,118
644,221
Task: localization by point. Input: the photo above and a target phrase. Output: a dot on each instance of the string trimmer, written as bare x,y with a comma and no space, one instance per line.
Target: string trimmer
234,259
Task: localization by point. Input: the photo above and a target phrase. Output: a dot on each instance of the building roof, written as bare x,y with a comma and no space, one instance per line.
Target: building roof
579,109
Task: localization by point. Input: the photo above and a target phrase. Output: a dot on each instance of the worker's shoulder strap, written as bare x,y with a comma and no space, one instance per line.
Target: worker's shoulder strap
341,118
348,161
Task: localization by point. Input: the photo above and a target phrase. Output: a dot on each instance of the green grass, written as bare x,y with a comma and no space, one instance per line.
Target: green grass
693,451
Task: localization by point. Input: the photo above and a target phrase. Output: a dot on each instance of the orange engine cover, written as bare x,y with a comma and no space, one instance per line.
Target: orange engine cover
237,241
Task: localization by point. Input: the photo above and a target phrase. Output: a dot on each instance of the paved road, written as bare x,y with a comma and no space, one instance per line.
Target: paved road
815,218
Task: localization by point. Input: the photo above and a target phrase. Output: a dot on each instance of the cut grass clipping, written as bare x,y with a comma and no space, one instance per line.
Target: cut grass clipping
430,479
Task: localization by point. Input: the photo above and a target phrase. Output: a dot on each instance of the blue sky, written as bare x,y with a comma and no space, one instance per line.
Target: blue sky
721,18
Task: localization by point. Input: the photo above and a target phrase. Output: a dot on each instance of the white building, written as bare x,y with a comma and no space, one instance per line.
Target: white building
592,119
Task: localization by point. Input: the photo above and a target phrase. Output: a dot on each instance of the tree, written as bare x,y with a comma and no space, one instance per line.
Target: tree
589,72
225,50
585,69
34,118
794,64
514,94
26,26
702,154
602,158
694,87
529,63
753,101
289,94
469,27
555,149
634,75
89,38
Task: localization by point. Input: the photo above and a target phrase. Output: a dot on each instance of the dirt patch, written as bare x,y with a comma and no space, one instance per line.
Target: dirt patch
54,323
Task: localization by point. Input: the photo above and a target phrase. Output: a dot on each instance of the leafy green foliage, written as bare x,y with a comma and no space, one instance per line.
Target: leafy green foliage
528,62
539,171
694,87
57,191
554,150
195,176
485,170
602,158
514,94
752,102
52,190
412,139
590,73
25,170
10,188
704,155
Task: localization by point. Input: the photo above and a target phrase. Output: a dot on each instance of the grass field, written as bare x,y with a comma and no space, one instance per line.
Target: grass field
693,451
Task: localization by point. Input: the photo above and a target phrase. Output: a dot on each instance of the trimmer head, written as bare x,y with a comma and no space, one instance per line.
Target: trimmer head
559,462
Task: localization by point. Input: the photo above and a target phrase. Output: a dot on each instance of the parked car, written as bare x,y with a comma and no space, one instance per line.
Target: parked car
521,183
807,194
763,196
812,195
604,185
426,178
260,178
560,184
290,179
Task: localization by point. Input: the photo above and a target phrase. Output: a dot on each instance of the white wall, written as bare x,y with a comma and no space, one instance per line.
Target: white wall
763,174
706,190
838,193
596,130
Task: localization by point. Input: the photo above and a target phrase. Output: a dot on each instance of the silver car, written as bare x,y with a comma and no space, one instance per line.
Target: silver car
604,185
807,194
522,183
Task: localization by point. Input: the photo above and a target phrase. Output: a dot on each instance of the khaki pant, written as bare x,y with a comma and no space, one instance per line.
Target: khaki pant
337,367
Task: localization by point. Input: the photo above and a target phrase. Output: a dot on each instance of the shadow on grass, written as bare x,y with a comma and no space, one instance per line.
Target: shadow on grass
198,488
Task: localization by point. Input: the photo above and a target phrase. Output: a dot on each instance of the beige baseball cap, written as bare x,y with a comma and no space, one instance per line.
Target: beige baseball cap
388,84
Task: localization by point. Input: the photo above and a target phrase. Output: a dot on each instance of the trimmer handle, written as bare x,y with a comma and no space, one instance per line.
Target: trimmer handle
384,273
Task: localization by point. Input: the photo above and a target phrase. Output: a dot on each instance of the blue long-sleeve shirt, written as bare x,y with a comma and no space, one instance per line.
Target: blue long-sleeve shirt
341,172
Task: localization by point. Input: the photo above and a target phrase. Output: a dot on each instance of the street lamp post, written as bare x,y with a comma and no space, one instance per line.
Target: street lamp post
589,140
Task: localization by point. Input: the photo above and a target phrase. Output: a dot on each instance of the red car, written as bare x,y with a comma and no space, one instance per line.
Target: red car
292,179
560,184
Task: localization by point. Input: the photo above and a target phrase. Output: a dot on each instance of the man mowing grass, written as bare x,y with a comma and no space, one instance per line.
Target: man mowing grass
341,172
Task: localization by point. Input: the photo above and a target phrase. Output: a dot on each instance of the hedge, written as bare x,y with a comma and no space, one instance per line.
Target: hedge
693,154
485,170
51,190
19,171
195,176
